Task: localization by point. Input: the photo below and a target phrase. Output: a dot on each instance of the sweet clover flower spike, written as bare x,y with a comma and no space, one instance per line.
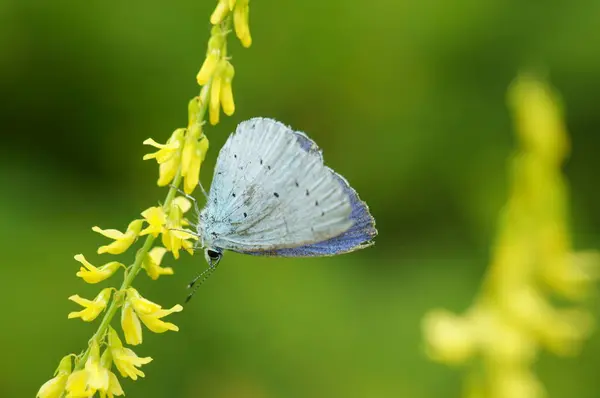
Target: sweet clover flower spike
179,160
126,361
516,316
93,308
122,240
92,274
55,387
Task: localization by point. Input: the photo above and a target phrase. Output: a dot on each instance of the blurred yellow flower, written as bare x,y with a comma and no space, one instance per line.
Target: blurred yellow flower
122,240
515,314
151,263
92,274
168,156
55,387
126,361
92,308
450,338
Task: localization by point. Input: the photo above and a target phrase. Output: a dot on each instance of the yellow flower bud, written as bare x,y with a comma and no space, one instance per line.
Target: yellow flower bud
220,12
226,90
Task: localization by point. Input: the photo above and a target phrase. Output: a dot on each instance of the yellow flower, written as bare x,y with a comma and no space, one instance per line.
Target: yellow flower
91,274
92,308
168,156
214,101
213,55
55,387
93,377
122,240
130,323
152,262
192,157
126,361
156,218
170,226
150,312
173,237
114,387
226,90
240,22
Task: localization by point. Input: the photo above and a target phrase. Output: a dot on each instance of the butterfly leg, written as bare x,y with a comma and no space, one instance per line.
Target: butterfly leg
190,197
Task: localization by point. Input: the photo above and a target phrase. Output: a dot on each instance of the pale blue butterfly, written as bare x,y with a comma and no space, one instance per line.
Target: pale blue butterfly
271,195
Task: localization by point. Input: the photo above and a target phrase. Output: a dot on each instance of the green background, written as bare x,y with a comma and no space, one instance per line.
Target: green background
407,100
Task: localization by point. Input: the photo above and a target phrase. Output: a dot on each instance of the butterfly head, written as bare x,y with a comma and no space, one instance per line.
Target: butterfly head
213,255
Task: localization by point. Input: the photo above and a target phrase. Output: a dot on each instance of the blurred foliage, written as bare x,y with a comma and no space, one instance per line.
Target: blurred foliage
407,100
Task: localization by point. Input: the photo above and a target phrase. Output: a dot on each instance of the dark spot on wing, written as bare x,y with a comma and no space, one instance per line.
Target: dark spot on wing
307,193
276,194
296,182
316,202
245,215
322,213
261,161
253,125
233,194
214,234
235,156
269,167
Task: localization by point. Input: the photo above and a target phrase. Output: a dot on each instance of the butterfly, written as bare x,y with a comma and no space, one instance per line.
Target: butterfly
272,195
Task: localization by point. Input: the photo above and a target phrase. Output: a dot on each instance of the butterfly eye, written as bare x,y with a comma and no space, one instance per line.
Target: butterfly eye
213,254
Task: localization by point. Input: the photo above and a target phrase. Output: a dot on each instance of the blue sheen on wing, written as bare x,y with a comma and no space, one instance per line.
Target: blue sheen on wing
358,236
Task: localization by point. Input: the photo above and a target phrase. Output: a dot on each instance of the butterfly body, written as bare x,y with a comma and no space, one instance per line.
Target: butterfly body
272,195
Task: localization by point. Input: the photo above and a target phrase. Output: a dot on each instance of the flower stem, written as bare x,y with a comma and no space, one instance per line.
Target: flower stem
141,255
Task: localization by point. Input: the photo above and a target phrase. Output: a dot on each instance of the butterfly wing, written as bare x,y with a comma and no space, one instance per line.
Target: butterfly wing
272,195
358,236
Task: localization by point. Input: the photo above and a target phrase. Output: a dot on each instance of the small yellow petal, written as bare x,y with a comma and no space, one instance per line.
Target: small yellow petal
109,233
155,324
208,68
130,324
77,385
156,218
214,105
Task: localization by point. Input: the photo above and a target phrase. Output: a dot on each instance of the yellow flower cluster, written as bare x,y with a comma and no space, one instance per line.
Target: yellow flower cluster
216,73
533,262
179,160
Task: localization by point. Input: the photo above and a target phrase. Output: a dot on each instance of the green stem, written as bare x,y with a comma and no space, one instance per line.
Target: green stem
141,255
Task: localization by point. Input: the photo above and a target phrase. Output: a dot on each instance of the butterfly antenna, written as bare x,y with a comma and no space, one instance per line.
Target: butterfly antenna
199,280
